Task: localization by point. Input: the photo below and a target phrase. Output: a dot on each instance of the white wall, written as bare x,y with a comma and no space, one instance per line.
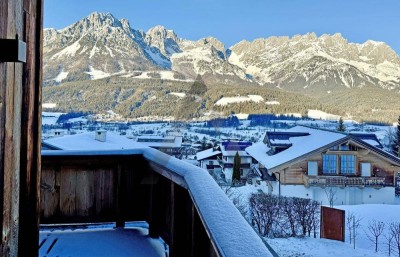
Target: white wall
205,162
344,196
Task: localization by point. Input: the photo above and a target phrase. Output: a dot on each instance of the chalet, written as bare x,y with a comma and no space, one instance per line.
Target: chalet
219,161
229,150
210,160
308,161
171,145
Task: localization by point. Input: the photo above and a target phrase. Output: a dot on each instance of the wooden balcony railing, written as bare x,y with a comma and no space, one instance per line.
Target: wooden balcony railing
345,181
180,202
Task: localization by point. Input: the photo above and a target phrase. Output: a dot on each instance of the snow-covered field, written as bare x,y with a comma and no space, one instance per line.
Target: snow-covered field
50,118
316,247
317,114
310,247
239,99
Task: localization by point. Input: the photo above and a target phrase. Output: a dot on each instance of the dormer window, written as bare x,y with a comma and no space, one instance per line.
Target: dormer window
343,147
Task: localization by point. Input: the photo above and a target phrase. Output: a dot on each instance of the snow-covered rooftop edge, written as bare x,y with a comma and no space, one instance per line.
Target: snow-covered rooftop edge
230,232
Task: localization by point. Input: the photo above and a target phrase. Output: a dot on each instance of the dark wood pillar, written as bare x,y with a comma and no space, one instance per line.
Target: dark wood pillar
31,129
20,114
11,17
155,211
182,232
121,197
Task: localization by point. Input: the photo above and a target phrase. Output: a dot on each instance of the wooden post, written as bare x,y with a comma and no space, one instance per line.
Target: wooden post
200,241
120,198
30,160
20,130
181,234
155,216
171,228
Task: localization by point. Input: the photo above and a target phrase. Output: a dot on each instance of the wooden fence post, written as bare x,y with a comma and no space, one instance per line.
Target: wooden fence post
121,197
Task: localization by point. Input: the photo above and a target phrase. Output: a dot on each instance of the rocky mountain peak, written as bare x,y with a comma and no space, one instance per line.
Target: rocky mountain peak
165,40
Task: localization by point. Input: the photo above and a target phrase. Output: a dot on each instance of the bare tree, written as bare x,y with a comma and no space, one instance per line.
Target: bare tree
394,229
389,241
313,218
349,220
375,230
256,213
240,204
356,226
353,223
330,195
264,211
300,209
289,214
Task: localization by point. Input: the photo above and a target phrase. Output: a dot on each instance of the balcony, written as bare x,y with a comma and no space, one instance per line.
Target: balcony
343,181
179,203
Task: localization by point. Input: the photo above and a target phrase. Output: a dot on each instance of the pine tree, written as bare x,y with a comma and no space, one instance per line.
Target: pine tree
341,126
397,138
236,168
204,144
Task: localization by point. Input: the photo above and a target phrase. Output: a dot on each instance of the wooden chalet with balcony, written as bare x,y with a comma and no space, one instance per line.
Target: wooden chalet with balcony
315,159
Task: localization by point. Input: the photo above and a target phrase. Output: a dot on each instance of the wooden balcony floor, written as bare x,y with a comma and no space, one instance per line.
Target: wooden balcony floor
99,241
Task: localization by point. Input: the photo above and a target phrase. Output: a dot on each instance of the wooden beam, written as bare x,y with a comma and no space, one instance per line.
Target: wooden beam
120,198
31,130
155,217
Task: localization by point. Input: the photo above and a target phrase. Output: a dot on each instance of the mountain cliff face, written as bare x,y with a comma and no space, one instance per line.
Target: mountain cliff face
100,46
318,63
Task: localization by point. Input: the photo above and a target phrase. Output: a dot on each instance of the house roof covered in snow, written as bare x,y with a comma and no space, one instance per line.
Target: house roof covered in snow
207,154
368,138
312,140
87,141
161,142
230,148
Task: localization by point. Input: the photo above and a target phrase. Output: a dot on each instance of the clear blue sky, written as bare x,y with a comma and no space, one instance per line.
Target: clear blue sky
233,20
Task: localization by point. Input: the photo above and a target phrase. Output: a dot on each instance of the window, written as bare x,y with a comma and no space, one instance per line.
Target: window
329,163
312,168
348,164
334,148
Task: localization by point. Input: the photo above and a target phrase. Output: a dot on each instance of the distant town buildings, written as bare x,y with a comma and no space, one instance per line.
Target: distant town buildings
171,145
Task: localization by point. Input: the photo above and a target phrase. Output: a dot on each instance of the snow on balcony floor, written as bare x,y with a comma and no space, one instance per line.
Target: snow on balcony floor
99,241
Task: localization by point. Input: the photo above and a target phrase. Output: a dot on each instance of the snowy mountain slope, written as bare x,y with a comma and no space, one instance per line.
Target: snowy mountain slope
206,55
98,42
101,45
328,61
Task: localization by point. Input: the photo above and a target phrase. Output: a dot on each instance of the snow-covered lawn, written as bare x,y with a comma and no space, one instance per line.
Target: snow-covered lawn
50,118
238,99
317,114
310,247
315,247
367,213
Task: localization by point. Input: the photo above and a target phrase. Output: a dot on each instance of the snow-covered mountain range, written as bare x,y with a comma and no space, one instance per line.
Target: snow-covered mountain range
101,45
